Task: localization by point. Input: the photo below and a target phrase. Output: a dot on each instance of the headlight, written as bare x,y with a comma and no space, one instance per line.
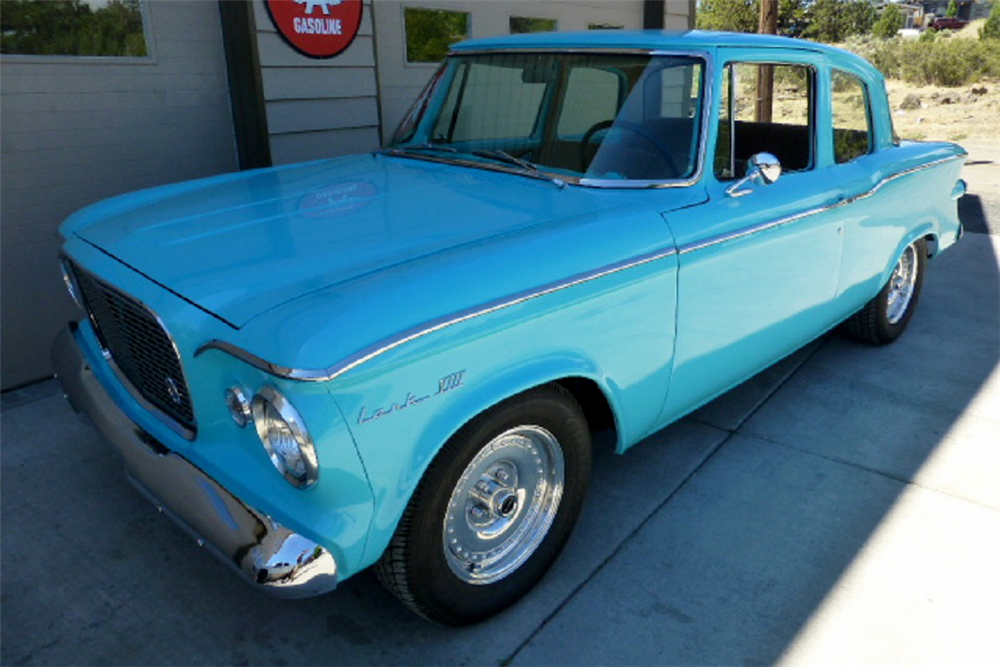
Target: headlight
70,280
285,438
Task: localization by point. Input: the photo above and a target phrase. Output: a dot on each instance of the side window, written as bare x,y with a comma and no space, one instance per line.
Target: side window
765,108
852,131
592,95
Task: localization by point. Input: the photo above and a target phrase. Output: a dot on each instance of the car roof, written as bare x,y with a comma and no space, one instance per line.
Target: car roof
638,39
653,40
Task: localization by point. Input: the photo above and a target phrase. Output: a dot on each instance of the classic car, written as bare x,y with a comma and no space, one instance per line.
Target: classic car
398,359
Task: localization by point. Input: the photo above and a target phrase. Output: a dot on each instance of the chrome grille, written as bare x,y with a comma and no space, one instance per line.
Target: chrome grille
139,347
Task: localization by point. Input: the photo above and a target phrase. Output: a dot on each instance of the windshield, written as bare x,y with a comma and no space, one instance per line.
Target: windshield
601,116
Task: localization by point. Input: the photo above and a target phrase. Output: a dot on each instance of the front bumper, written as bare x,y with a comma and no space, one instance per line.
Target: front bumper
265,553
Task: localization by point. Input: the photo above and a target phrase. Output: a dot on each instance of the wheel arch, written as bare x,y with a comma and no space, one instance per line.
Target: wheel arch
924,233
594,392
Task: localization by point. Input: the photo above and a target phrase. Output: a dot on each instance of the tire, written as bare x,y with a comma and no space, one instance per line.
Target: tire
490,516
884,318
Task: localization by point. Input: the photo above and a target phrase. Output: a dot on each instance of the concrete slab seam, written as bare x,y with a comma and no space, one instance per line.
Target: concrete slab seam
729,436
863,468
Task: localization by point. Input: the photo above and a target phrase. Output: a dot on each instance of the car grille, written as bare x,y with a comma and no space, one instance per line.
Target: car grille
139,346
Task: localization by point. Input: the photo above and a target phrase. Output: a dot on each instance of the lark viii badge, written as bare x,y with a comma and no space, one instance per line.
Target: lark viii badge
316,28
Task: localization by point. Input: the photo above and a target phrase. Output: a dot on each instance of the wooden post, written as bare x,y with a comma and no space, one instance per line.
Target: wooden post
768,25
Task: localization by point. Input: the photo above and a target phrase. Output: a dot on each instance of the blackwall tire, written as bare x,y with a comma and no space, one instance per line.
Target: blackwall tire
883,319
493,510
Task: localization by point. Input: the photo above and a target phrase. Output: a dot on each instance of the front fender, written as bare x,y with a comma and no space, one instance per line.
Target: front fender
396,481
616,331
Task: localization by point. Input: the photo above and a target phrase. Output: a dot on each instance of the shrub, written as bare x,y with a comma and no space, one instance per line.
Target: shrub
991,29
947,61
889,23
940,60
884,54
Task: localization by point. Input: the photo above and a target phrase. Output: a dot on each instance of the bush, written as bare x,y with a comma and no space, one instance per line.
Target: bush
884,54
991,29
948,61
889,23
939,60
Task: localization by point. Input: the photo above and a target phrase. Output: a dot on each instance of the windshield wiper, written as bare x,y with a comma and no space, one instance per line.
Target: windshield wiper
420,147
503,156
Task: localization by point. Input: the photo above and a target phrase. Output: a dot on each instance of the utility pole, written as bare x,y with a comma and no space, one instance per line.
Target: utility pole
767,25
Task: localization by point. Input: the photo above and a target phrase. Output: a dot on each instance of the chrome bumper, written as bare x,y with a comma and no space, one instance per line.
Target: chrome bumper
265,553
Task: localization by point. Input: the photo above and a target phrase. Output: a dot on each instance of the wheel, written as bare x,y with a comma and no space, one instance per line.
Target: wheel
493,510
587,156
883,319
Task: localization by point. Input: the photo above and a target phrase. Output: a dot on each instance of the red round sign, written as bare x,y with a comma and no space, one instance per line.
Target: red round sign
316,28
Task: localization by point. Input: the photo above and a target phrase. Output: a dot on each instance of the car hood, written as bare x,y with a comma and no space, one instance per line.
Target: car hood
241,244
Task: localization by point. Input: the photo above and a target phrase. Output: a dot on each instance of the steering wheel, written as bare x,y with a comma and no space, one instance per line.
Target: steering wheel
661,149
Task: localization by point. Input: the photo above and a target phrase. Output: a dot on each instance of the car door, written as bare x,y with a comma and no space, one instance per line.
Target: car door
759,263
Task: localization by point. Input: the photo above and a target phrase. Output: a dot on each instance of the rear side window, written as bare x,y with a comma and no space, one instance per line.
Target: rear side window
765,108
852,132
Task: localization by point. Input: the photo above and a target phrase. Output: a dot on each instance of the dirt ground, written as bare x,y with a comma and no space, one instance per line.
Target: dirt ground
950,114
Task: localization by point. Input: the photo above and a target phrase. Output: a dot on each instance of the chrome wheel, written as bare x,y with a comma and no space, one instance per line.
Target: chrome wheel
902,285
503,504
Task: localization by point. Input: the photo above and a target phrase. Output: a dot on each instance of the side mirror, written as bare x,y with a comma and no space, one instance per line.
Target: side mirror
762,168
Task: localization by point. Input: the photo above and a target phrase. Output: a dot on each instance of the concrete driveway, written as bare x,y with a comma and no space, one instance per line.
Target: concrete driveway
843,507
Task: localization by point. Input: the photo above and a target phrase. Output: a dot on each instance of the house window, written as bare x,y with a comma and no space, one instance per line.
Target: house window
73,28
431,32
852,132
522,24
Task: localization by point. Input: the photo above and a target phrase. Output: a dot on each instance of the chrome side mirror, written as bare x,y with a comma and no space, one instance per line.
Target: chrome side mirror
762,168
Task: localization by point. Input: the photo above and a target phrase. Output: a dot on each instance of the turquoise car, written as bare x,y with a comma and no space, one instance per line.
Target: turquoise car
398,359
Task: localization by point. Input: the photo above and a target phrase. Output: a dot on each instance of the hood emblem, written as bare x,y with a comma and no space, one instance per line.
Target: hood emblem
173,391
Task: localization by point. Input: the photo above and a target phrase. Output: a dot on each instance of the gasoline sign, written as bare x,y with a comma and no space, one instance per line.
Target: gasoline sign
316,28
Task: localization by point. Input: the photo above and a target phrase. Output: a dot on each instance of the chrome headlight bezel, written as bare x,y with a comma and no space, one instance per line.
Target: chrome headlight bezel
269,397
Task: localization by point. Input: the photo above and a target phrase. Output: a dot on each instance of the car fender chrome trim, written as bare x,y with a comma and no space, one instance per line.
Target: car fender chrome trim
432,326
753,229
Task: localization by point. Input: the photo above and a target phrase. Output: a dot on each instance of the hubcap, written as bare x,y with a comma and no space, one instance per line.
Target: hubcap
901,285
504,504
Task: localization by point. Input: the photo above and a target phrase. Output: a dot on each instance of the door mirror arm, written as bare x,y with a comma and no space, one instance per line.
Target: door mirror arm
763,168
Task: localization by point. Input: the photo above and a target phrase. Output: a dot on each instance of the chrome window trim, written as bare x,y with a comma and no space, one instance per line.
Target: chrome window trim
760,227
707,85
432,326
167,420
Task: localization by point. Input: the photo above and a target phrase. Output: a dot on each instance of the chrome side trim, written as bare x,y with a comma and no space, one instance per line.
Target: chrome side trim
747,231
432,326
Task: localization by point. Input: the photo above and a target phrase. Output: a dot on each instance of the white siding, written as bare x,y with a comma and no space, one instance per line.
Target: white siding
318,108
77,130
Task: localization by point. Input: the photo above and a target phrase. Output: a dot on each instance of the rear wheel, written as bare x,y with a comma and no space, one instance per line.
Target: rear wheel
884,318
493,510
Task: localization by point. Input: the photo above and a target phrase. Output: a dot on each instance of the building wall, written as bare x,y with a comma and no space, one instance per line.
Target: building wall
77,130
318,108
400,81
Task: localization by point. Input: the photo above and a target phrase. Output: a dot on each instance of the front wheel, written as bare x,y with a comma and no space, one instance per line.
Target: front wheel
493,510
883,319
